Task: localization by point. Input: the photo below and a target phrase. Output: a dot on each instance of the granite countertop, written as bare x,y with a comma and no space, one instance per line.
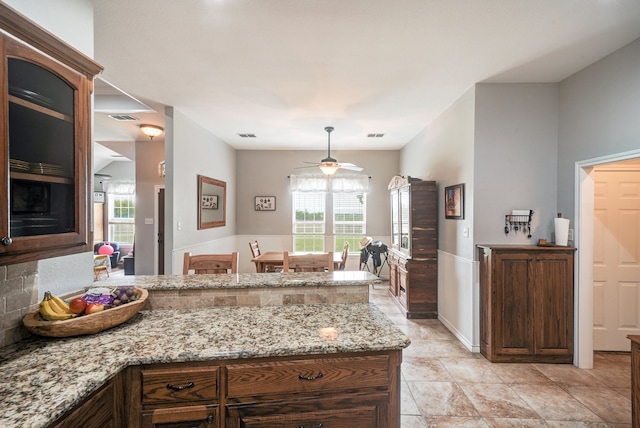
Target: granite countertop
44,378
244,280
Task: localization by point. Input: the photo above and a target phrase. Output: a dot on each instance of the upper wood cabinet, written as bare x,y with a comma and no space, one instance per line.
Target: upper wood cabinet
45,142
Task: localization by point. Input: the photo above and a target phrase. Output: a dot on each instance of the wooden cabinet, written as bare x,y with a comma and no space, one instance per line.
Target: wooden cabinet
526,303
635,380
413,256
45,116
97,411
344,390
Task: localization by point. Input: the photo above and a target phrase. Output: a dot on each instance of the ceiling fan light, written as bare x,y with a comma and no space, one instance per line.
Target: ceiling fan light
151,130
329,168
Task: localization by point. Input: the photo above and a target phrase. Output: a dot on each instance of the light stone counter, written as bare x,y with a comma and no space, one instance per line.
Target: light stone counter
257,289
43,378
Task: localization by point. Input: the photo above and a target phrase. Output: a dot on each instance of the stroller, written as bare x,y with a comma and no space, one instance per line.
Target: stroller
378,253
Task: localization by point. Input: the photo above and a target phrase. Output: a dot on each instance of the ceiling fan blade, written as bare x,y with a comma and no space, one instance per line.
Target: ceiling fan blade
312,163
303,167
350,166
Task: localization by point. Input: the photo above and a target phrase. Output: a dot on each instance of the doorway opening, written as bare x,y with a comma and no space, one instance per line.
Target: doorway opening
584,225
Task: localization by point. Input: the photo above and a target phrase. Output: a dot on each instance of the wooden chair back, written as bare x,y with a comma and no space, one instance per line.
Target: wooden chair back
255,249
101,263
210,263
345,254
308,262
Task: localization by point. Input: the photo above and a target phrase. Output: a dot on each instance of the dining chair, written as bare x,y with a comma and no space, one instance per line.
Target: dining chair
101,263
255,252
345,254
308,262
210,263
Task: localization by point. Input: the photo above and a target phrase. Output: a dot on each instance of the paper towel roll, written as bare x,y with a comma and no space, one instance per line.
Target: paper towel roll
562,230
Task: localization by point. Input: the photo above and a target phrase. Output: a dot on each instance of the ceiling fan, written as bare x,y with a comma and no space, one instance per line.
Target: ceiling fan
330,165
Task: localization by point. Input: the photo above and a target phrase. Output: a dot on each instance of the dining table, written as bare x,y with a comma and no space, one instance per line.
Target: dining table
275,259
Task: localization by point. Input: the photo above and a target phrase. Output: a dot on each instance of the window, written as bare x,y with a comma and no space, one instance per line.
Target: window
308,221
349,219
346,210
122,215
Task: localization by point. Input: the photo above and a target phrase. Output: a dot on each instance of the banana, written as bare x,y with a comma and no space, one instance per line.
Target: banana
61,304
50,311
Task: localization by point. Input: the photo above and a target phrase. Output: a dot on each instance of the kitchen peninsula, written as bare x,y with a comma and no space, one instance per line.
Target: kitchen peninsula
284,360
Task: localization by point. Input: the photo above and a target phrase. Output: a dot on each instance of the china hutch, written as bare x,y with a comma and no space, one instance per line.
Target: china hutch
413,257
45,141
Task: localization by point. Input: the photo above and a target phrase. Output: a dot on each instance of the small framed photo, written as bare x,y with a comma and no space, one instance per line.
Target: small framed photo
454,202
209,202
265,203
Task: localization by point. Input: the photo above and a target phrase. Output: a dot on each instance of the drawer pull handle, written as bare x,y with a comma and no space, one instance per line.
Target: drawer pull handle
319,376
180,388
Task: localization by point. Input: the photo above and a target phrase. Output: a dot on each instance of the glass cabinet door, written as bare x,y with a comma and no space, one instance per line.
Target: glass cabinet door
45,153
41,151
395,219
405,224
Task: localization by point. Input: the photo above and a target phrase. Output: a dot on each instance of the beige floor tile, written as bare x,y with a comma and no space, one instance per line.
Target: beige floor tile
515,422
408,421
407,403
441,399
471,370
568,375
553,403
520,374
606,403
580,424
418,369
455,422
497,401
430,348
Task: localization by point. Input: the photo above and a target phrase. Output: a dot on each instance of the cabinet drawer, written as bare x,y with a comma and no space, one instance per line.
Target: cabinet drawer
295,376
361,417
179,385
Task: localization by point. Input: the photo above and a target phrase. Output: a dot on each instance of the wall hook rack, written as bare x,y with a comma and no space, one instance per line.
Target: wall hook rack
518,221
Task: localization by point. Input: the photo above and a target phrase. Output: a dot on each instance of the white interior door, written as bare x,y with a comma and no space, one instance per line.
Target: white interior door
616,257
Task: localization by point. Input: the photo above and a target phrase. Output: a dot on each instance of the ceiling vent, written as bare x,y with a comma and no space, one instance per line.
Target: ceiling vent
375,135
123,117
247,135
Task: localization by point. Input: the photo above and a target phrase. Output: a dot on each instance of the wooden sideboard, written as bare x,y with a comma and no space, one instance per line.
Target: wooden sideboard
526,303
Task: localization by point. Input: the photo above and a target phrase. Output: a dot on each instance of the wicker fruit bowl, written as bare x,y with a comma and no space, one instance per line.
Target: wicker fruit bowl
86,324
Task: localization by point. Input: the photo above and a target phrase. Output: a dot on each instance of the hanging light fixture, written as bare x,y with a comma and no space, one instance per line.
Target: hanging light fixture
329,165
151,130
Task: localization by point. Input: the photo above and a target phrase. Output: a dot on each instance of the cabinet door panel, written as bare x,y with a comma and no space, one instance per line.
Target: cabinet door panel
96,412
553,302
514,316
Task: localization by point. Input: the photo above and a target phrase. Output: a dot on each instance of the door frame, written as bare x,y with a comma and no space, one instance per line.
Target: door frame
156,192
584,220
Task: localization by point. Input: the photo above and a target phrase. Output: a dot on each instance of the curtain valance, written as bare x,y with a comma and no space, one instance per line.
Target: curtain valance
333,184
119,187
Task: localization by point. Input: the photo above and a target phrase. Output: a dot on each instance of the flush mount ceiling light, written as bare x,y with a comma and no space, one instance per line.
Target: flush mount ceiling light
151,130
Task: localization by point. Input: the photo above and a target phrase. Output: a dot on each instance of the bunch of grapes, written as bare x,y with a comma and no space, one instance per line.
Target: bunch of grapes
124,294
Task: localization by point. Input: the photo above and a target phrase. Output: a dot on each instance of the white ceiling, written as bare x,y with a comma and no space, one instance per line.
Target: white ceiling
285,69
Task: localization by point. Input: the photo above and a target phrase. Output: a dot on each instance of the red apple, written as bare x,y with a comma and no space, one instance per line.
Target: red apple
92,308
77,305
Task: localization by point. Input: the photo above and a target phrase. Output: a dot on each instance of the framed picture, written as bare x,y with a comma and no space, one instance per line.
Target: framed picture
454,202
265,203
209,202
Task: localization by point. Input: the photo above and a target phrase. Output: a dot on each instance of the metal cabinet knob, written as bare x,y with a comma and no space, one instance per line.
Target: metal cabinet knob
6,240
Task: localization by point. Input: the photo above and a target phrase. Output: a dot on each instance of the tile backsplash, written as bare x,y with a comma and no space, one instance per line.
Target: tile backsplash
18,295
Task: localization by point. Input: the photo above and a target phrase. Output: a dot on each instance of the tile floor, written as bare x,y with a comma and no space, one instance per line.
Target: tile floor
445,385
